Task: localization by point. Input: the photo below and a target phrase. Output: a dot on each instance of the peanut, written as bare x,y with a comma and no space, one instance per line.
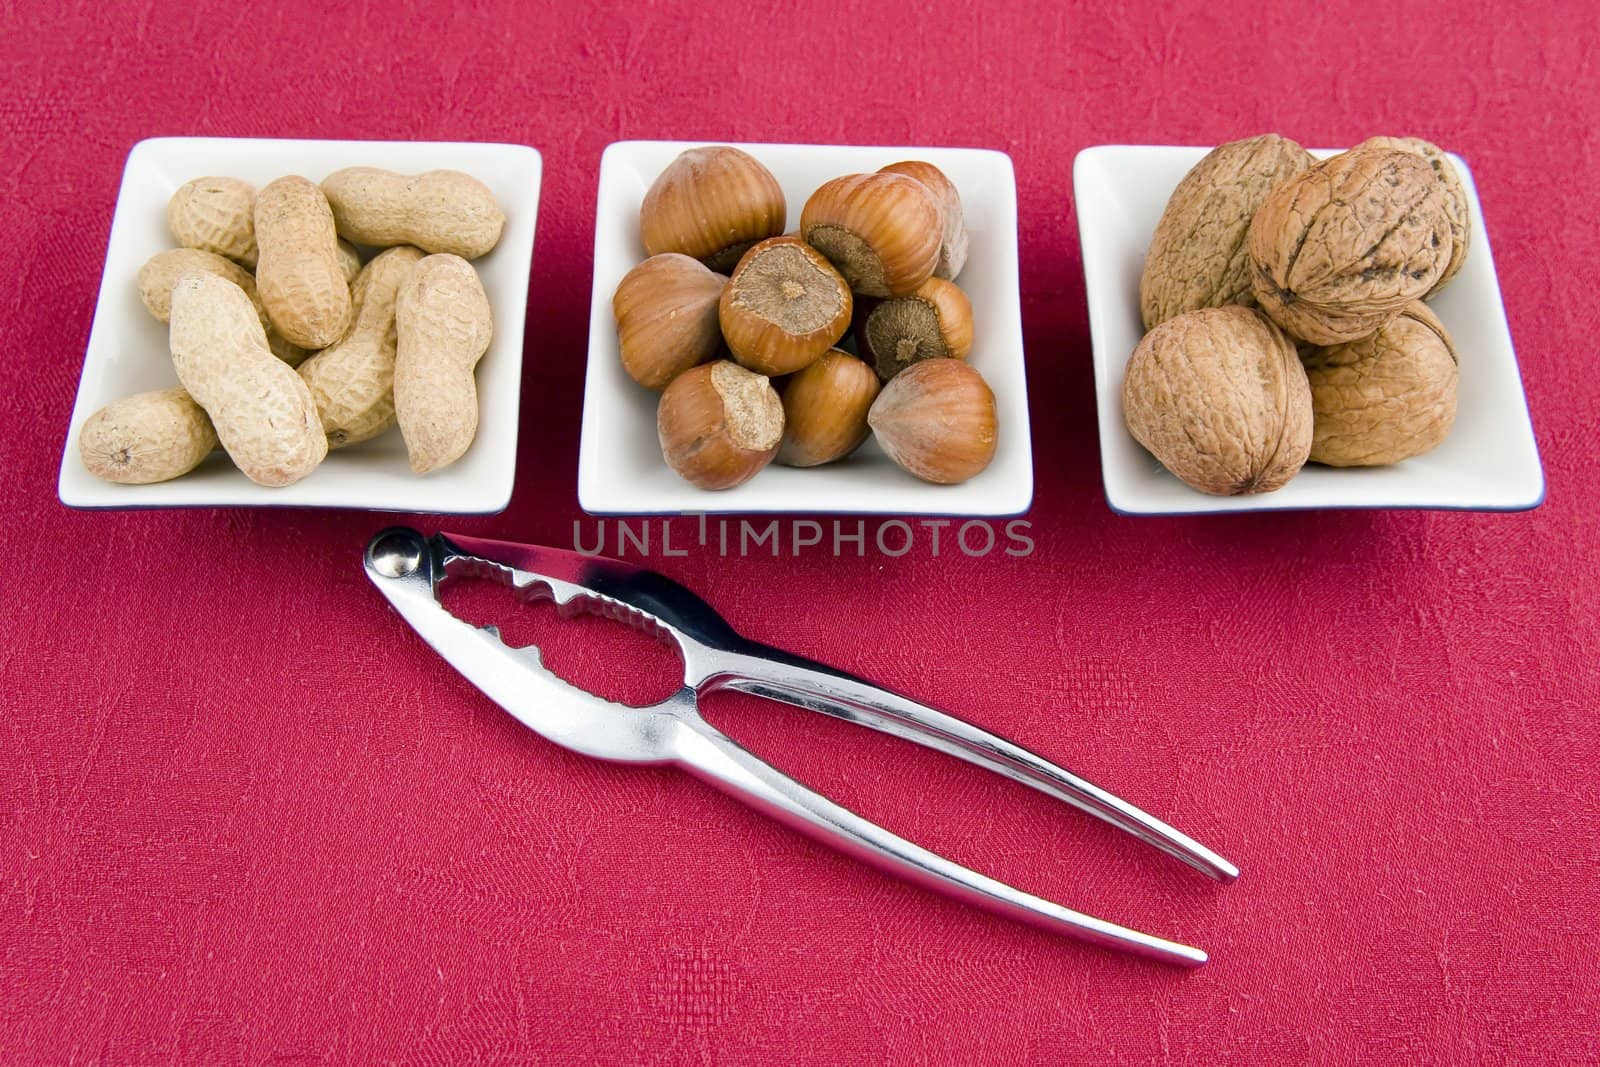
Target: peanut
440,211
443,325
299,276
147,437
353,382
349,261
215,215
263,412
163,269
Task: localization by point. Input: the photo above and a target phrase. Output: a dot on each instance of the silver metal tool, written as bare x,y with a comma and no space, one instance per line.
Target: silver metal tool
408,568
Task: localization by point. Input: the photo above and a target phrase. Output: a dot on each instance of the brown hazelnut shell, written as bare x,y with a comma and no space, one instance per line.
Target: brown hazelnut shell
784,307
719,424
1386,397
882,231
954,240
666,314
935,322
712,204
937,420
825,410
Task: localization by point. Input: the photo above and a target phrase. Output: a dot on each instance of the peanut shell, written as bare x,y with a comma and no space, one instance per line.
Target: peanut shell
439,211
442,326
147,437
1197,256
215,215
353,380
1219,397
299,275
262,411
349,261
162,270
1340,249
1386,397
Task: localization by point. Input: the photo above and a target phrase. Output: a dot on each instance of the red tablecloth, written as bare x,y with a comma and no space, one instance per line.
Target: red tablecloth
246,817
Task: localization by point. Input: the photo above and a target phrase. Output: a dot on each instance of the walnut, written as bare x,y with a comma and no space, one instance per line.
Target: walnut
1219,397
1455,197
1340,249
1386,397
1197,257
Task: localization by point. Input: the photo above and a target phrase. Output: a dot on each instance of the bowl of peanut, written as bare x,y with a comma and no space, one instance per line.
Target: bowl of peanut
308,323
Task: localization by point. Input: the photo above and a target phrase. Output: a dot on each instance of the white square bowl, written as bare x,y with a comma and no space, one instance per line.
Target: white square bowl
620,469
1489,462
128,350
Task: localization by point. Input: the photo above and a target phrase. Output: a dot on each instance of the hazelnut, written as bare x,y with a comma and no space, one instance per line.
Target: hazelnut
882,231
711,204
937,420
825,410
784,307
666,312
1386,397
719,424
1219,397
935,322
953,244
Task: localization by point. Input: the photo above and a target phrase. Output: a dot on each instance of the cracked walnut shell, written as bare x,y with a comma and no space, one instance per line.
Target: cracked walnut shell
1197,255
1219,396
1339,249
1386,397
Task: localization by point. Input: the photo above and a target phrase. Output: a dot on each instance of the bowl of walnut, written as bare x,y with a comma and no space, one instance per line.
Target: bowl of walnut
1276,328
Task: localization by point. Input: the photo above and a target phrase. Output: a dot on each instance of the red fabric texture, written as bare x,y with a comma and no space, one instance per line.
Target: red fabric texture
246,817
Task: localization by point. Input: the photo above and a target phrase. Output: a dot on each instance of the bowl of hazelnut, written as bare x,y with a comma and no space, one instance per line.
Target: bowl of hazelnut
805,328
